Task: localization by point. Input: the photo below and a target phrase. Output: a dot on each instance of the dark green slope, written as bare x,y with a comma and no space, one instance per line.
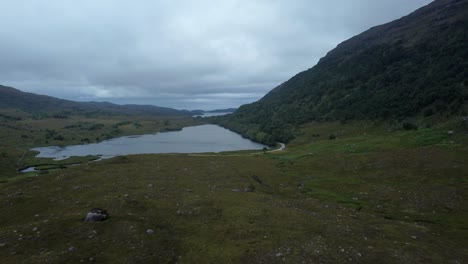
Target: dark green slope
414,65
11,98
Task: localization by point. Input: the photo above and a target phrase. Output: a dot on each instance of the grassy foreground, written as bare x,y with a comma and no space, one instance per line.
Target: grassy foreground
368,196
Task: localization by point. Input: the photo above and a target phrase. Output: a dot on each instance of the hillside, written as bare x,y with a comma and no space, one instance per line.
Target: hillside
11,98
413,66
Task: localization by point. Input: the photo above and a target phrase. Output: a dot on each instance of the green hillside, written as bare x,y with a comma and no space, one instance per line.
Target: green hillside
413,66
42,105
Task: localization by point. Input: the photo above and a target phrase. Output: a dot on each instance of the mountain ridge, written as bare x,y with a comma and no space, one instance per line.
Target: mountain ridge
43,104
411,66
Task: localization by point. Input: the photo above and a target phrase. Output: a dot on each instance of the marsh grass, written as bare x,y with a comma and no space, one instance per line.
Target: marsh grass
369,195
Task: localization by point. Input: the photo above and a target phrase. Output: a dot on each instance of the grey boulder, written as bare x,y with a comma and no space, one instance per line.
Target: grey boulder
96,215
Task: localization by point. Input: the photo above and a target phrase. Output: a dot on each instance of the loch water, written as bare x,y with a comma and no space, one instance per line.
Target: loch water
196,139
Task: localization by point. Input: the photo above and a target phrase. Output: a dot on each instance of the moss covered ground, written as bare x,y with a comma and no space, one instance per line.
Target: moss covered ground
372,194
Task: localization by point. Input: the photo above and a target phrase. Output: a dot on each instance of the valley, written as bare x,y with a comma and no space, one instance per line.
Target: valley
20,131
361,158
370,193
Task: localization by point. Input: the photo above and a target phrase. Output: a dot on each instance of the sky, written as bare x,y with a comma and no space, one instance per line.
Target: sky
184,54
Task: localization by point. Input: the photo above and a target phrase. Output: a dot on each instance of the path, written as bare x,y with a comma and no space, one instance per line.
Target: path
281,148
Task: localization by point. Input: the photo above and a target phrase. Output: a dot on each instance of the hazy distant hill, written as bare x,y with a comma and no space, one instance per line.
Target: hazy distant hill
226,110
41,104
416,65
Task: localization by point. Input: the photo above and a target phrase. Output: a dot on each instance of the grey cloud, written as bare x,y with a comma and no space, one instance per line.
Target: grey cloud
191,54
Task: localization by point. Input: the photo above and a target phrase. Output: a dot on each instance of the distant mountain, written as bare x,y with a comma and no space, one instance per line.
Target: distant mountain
41,104
416,65
226,110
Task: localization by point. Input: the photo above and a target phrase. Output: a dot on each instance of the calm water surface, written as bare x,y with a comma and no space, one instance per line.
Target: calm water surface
197,139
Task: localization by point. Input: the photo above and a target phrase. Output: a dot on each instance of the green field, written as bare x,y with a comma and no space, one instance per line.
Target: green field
375,193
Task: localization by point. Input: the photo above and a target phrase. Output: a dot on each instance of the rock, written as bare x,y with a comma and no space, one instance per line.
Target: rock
35,229
300,185
451,132
279,254
96,215
149,231
71,249
126,195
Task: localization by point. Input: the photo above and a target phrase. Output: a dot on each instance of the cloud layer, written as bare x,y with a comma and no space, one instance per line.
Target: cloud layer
183,54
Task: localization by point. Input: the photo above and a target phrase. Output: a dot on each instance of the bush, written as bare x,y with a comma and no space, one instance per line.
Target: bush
332,137
95,127
428,112
50,133
59,137
60,116
409,126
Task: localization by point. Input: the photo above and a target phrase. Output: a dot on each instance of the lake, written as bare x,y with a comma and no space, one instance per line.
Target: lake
196,139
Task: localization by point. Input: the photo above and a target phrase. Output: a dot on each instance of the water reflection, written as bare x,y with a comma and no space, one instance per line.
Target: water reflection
197,139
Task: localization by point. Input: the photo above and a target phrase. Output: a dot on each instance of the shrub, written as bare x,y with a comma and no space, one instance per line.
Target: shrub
428,112
59,137
409,126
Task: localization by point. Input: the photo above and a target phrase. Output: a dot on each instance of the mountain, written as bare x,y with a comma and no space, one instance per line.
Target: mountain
11,98
226,110
416,65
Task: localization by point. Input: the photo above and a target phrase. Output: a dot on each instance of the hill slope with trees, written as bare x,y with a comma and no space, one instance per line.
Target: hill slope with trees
416,65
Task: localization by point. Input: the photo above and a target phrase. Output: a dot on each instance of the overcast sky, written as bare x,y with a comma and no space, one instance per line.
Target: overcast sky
183,54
